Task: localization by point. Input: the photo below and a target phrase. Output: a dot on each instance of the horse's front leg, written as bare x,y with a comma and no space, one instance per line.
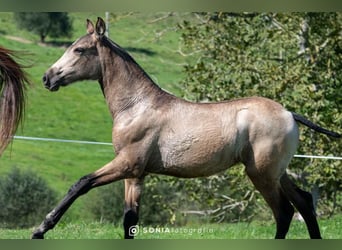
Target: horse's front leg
133,188
121,167
52,218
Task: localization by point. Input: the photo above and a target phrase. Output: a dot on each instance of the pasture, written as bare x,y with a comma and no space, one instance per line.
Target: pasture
331,229
81,114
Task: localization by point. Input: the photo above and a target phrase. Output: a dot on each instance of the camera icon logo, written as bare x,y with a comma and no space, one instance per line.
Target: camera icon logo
133,230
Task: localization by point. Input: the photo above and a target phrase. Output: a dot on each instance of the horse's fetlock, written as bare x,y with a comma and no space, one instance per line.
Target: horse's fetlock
50,219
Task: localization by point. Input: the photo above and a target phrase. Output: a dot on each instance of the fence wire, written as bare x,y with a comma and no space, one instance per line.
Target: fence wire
29,138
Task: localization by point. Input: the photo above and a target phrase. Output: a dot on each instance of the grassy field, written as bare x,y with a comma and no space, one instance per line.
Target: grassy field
79,112
331,229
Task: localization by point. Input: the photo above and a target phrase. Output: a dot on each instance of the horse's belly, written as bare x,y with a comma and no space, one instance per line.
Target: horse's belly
193,157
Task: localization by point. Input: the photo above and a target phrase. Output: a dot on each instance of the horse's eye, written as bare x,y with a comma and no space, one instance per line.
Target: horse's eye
79,50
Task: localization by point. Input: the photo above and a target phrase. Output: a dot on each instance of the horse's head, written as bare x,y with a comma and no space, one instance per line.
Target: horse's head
79,62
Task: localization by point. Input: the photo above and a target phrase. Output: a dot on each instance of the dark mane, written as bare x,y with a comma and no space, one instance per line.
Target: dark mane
127,58
162,94
118,49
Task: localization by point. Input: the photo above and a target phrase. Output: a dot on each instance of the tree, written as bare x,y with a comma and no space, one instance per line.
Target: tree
54,24
293,58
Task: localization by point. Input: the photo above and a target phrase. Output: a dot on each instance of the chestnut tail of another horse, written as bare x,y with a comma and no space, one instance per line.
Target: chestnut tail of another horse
13,81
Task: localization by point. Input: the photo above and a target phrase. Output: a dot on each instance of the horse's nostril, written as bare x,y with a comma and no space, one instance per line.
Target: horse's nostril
46,80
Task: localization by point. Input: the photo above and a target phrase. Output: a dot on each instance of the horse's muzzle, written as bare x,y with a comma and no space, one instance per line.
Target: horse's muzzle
48,84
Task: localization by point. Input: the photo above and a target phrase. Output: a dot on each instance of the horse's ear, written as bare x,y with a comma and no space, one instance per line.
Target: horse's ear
100,27
90,27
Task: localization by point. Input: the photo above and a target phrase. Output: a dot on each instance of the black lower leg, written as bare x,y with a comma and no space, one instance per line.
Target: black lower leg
79,188
303,202
284,218
130,224
307,210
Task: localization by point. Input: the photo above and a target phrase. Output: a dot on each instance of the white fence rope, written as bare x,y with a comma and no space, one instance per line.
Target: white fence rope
60,140
319,157
110,144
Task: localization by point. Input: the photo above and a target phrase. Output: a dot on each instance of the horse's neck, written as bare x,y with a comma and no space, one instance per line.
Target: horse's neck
125,84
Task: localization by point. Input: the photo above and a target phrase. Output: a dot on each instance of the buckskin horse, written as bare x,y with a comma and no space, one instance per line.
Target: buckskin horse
156,132
13,81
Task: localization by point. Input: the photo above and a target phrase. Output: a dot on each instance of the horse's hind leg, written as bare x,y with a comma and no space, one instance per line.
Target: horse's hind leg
304,203
131,213
275,198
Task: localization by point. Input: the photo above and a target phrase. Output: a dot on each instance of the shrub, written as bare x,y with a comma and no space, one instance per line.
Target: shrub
24,198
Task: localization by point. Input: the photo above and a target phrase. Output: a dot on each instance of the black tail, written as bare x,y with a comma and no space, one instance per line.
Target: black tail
314,126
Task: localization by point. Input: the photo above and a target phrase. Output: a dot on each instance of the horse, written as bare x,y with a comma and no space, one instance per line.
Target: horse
13,82
155,132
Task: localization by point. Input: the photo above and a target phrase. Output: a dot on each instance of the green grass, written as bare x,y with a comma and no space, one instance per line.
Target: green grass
330,228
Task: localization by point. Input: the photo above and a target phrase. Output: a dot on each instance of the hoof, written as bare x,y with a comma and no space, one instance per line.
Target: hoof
39,236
